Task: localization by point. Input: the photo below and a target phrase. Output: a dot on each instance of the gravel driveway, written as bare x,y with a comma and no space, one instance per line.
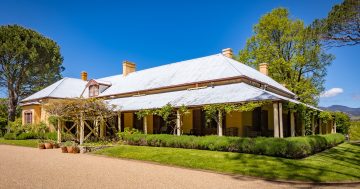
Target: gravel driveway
22,167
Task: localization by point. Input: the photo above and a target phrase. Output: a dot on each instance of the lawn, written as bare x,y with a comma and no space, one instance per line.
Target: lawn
341,163
355,131
26,143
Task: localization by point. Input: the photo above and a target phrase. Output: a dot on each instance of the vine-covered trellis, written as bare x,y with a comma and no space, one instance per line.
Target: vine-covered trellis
78,111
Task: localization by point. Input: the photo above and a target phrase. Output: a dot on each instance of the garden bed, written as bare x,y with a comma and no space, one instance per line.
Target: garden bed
337,164
291,147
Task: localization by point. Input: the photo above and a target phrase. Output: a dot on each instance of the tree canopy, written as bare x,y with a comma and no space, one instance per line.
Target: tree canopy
293,52
342,25
28,62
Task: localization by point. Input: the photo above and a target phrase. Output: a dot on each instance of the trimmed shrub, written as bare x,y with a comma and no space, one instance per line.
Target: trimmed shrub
29,135
10,136
292,147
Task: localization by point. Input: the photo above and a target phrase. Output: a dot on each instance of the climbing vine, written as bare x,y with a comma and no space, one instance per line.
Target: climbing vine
143,113
325,116
212,110
305,113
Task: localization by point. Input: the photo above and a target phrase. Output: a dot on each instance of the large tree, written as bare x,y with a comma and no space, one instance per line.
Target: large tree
293,51
342,25
28,62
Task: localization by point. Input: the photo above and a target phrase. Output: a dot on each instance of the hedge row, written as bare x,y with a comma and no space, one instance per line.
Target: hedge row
292,147
34,135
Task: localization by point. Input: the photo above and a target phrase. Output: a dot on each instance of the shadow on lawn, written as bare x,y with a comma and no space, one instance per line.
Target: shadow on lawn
340,161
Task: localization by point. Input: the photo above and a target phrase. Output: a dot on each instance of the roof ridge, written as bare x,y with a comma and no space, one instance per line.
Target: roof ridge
226,59
62,80
178,62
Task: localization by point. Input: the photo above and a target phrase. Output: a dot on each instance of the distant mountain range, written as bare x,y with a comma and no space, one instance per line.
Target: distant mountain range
354,113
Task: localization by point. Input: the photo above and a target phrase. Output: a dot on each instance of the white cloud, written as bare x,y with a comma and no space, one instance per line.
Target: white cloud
331,92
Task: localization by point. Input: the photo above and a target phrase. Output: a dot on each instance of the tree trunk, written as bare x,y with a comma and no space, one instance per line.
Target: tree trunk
12,104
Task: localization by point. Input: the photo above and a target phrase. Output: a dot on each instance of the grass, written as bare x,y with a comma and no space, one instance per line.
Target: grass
26,143
341,163
355,131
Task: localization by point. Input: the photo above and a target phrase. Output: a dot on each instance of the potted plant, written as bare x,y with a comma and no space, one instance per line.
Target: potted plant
48,144
76,149
41,145
68,145
56,145
64,148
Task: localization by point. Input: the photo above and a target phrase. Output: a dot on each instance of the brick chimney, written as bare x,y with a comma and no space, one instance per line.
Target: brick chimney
84,76
263,68
128,67
227,52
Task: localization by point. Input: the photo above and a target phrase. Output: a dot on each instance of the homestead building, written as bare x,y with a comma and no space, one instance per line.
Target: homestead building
213,79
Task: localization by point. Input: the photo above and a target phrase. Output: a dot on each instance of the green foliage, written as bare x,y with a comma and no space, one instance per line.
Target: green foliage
34,135
342,122
165,112
10,136
25,136
325,116
292,147
212,110
29,61
354,131
341,26
53,120
293,51
79,108
16,126
306,114
143,113
3,115
337,164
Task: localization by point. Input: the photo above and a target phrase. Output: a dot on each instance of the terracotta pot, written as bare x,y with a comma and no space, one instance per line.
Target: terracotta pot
76,149
48,145
56,145
41,146
70,149
64,149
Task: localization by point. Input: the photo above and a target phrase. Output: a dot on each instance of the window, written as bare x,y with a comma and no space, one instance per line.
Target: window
93,90
28,117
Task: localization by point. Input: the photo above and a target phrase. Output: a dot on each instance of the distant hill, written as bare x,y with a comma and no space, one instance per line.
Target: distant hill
353,112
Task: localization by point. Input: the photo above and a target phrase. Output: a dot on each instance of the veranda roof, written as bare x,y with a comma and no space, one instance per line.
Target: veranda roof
232,93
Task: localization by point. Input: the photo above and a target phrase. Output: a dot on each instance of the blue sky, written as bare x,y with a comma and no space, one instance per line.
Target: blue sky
96,36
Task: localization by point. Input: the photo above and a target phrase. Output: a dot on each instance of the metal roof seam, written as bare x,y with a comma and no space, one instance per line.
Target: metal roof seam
57,86
226,59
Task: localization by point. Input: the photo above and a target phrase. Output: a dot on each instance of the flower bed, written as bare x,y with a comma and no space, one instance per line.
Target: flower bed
291,147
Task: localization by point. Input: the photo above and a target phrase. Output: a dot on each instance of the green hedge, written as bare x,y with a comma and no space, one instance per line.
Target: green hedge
292,147
34,135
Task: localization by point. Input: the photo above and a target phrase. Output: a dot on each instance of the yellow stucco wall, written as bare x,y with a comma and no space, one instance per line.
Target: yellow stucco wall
234,119
128,120
187,122
36,113
247,118
241,119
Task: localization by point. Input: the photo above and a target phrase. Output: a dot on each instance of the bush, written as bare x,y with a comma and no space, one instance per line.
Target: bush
10,136
29,135
355,130
292,147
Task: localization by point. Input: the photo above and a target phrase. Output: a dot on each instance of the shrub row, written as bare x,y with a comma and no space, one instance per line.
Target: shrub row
34,135
292,147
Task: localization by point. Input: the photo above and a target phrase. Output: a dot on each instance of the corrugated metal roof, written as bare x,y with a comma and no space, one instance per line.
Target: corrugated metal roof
206,68
64,88
232,93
